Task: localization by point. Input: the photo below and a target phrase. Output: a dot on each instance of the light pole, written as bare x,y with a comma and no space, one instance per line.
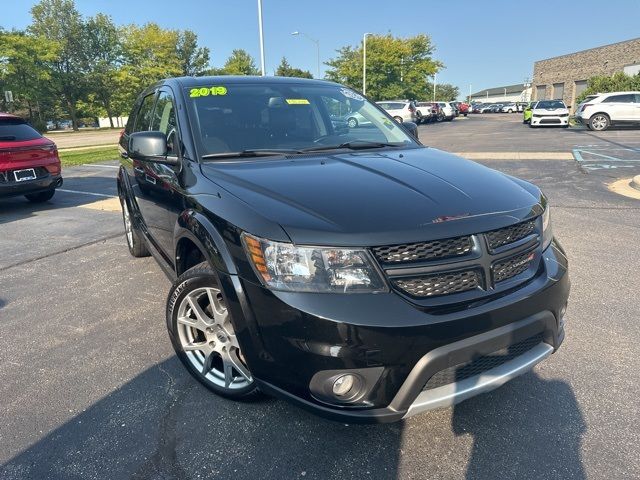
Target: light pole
317,42
469,94
364,63
261,38
434,86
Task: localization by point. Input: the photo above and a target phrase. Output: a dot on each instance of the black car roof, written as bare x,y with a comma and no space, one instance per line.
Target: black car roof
240,79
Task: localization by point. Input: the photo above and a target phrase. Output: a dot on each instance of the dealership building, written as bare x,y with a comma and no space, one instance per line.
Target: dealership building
508,93
565,77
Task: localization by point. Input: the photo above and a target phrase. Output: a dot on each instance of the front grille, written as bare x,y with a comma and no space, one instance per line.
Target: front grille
414,252
550,120
505,236
481,364
511,267
434,285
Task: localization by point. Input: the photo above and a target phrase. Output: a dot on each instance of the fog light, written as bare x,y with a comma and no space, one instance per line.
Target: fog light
343,385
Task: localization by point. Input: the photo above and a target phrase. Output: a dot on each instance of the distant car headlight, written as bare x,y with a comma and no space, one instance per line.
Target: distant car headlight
284,266
547,232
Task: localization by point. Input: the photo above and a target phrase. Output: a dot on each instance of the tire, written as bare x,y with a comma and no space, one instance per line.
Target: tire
133,235
352,122
398,119
203,337
509,111
599,122
440,118
41,197
465,114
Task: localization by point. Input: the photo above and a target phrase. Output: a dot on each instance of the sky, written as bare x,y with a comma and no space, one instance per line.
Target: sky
483,43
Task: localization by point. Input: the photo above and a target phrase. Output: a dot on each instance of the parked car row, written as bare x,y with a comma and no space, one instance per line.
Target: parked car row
505,107
424,112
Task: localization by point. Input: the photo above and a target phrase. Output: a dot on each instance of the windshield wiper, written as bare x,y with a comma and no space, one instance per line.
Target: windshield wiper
264,152
353,145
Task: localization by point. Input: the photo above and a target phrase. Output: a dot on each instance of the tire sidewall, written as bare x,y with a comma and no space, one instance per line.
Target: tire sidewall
200,276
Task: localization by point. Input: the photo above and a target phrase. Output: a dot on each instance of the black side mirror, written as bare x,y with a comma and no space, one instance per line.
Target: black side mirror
150,147
412,127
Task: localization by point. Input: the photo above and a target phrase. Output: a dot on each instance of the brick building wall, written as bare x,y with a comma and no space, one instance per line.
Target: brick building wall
565,77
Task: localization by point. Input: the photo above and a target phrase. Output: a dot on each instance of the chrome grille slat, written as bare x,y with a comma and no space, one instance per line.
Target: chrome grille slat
512,267
504,236
424,251
438,284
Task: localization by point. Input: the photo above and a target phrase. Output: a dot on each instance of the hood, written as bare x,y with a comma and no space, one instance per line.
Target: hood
551,111
376,198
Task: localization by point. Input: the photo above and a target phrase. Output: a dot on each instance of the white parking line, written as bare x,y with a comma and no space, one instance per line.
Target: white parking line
86,193
99,166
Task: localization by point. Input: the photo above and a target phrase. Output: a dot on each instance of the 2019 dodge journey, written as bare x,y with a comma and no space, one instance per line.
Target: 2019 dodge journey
349,269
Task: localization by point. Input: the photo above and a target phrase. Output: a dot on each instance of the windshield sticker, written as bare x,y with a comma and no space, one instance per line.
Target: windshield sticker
206,91
297,101
351,94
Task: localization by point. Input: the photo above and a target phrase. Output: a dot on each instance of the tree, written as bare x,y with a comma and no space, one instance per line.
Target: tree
24,61
396,67
618,82
149,54
103,61
59,22
194,60
444,91
286,70
240,63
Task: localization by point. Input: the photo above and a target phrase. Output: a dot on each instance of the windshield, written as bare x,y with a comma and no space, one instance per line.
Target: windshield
550,104
287,116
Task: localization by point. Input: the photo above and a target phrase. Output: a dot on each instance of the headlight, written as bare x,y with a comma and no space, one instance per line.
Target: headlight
284,266
547,233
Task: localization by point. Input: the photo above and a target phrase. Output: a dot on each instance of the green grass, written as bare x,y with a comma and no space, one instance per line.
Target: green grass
70,158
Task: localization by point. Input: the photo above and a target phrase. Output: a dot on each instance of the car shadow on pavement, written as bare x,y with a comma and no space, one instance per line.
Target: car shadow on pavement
529,428
18,208
164,425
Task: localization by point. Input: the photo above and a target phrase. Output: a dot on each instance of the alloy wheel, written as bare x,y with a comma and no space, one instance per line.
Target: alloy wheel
208,339
128,227
599,122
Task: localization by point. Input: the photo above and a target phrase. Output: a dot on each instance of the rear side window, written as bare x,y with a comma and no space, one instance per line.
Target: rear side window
143,119
16,130
628,98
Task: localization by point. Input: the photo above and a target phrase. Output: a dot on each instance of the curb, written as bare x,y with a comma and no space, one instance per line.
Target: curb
635,182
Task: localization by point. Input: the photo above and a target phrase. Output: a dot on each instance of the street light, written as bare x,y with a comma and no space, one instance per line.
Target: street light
261,38
317,42
364,63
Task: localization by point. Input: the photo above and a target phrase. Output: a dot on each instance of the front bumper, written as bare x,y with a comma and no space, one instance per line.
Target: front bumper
550,121
290,338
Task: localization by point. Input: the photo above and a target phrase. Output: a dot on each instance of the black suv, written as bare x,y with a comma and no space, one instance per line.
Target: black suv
351,270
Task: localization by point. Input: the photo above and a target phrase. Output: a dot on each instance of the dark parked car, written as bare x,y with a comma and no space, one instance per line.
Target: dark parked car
29,163
357,273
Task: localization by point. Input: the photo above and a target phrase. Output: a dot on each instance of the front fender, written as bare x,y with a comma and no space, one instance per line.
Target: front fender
197,228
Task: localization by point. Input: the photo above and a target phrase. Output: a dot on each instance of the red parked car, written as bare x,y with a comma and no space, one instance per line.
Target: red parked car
29,163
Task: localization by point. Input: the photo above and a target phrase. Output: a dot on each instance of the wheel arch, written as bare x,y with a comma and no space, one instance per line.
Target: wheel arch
196,240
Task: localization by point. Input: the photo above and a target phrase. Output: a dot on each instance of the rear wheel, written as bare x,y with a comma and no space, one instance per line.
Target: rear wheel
599,122
41,196
398,119
135,240
203,335
352,122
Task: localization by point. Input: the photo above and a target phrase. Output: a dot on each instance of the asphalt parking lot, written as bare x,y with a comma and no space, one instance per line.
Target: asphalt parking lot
91,389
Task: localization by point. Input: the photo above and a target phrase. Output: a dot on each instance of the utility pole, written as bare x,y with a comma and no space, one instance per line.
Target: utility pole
262,69
364,63
469,94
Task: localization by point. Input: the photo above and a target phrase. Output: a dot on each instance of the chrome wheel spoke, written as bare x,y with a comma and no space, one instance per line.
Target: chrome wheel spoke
206,365
196,323
196,346
231,362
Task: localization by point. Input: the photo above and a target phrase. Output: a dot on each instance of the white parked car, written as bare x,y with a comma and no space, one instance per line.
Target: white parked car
448,110
599,112
509,108
401,110
549,113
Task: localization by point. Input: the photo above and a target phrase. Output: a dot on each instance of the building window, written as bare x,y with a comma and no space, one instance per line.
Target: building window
581,86
541,92
558,91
